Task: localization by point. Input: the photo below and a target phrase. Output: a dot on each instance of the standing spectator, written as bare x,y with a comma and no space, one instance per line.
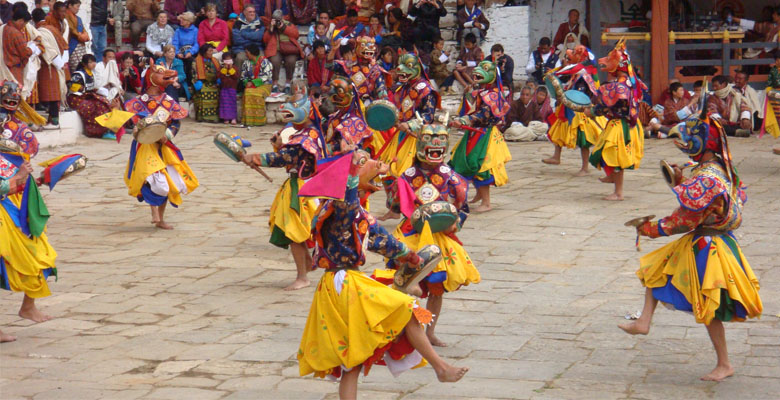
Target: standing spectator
256,77
572,26
439,61
472,20
316,73
228,82
677,108
213,31
16,53
174,8
185,40
6,11
51,77
159,35
541,60
248,29
118,11
97,25
427,14
281,45
130,77
470,55
197,8
144,12
505,65
170,61
302,12
56,18
751,97
334,8
78,36
729,107
324,18
206,96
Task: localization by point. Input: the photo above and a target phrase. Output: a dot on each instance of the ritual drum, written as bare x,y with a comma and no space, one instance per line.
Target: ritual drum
152,128
54,171
553,85
286,133
439,214
9,146
408,276
229,146
576,100
381,115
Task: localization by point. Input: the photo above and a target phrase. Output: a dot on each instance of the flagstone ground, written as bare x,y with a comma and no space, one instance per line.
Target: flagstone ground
198,312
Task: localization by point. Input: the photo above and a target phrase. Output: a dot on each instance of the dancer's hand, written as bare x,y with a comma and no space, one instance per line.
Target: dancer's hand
24,171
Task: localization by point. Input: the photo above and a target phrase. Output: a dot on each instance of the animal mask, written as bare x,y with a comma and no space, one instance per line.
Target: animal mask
161,77
366,48
432,144
409,68
296,111
696,136
484,73
617,60
10,95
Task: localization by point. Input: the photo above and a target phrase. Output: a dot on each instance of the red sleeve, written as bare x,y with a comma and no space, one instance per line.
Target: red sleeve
313,73
224,36
291,31
136,83
560,35
201,35
682,220
267,36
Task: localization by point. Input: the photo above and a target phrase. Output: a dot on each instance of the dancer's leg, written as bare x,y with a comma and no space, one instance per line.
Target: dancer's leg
348,384
723,369
434,306
444,371
555,159
29,311
4,337
618,180
302,264
584,153
161,223
483,192
642,325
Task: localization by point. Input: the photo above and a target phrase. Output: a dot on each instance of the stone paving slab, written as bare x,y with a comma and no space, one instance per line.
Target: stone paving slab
198,312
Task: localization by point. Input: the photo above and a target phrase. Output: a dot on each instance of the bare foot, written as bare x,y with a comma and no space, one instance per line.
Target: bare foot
4,337
415,291
389,215
551,161
476,199
776,150
451,373
298,284
483,208
436,341
718,374
582,172
163,225
634,328
33,314
608,179
614,197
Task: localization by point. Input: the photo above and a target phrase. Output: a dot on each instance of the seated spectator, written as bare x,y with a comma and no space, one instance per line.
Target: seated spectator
144,12
185,41
729,107
174,8
439,60
130,77
569,43
472,20
505,65
543,105
84,99
676,109
521,113
248,29
398,29
666,94
696,89
351,28
330,27
256,74
205,83
302,12
281,46
107,79
427,14
388,62
470,55
159,35
751,97
769,30
572,26
334,8
320,35
77,35
541,60
214,31
169,60
317,74
375,28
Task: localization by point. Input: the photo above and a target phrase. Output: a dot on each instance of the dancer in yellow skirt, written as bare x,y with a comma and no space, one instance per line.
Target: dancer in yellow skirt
481,153
572,127
156,172
772,103
431,187
704,272
298,147
354,321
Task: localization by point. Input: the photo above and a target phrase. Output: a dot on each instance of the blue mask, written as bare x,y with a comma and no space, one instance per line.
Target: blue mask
693,135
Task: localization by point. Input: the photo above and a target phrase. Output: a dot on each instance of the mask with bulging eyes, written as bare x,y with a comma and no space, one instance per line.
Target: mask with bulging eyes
432,144
409,68
341,92
10,95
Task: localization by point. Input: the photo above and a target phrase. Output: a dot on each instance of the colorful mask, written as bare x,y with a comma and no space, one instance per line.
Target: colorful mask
341,93
617,60
366,48
696,136
10,95
161,77
577,55
296,111
484,73
432,144
409,68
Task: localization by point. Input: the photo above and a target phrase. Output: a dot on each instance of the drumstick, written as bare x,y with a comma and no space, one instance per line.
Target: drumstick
258,169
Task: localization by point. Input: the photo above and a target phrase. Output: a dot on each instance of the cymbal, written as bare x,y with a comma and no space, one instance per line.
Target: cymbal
639,221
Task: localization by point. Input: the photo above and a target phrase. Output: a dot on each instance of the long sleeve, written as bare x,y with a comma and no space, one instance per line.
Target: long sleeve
201,35
224,36
530,68
682,220
175,41
150,45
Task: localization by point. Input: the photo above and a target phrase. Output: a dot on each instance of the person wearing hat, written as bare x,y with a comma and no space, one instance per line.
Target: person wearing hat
281,45
185,40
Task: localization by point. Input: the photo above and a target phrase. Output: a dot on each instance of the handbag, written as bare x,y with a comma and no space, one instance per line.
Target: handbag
75,57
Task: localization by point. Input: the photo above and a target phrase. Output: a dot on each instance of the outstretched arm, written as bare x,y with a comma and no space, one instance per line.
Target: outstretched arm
682,220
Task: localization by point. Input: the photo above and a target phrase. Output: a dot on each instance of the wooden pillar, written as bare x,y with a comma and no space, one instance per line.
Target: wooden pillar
659,29
594,27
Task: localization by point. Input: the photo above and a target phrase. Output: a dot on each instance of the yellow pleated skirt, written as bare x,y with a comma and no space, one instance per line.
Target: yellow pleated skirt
619,148
401,153
294,224
708,276
148,161
583,131
25,258
346,327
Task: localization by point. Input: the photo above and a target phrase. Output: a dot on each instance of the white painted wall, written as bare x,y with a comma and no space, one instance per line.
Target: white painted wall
509,27
546,15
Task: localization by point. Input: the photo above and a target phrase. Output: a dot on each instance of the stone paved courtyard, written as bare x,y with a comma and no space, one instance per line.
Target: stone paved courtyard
198,312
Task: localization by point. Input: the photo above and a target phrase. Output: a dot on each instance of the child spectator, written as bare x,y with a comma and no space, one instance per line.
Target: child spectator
387,61
375,28
228,77
470,56
317,74
439,60
320,35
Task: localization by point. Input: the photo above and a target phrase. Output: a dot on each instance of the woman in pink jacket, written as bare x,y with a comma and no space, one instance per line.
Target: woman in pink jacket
214,30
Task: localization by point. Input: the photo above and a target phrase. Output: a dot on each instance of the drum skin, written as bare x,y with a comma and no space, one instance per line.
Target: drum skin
439,214
576,100
230,147
381,115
